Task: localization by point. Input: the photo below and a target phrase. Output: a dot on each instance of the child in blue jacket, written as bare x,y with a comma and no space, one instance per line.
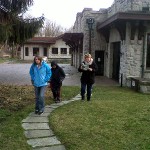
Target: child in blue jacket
40,73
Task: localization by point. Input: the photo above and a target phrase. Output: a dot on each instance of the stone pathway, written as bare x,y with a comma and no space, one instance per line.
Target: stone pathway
37,131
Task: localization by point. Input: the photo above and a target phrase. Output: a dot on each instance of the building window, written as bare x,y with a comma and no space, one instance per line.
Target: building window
70,51
45,51
54,50
26,51
63,50
35,51
148,52
145,9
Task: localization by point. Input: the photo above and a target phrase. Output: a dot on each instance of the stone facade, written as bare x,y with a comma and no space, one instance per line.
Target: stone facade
132,49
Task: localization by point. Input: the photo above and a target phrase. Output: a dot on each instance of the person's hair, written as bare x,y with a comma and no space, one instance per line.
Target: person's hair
53,63
37,57
87,55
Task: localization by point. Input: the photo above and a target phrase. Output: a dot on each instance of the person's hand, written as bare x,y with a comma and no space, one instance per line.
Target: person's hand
90,69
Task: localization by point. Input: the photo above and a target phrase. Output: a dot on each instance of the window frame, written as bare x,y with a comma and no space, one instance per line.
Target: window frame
63,51
35,51
55,49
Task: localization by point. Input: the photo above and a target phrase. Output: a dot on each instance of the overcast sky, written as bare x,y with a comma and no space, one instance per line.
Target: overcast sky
63,12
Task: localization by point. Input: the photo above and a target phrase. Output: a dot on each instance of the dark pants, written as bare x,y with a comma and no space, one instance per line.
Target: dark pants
89,90
56,91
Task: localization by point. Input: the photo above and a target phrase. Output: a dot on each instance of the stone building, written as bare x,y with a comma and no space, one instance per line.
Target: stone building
50,47
118,39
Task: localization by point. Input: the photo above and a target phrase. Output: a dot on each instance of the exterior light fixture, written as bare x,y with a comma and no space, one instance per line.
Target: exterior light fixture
90,22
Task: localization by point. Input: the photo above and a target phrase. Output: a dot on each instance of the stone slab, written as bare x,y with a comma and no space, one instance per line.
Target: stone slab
65,102
53,106
35,119
57,147
35,126
57,104
38,133
49,141
45,114
48,109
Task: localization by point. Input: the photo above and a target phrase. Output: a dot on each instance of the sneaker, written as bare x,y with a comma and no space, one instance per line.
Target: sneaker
36,111
40,112
57,101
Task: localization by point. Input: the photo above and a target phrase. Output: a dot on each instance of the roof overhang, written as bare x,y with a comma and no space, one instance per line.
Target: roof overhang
124,16
41,40
74,40
119,21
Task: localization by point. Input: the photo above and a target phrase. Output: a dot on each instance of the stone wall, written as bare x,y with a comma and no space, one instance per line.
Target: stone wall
127,5
131,51
97,41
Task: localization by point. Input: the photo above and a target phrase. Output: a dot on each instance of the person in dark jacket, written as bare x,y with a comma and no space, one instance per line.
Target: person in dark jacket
58,75
88,69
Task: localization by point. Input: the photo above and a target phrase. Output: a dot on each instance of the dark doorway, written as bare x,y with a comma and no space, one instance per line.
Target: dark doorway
99,60
116,60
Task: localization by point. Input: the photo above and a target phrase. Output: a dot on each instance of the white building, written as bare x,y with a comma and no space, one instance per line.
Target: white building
50,47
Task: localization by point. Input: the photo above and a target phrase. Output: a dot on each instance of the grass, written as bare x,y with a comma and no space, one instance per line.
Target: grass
17,60
116,119
16,102
14,60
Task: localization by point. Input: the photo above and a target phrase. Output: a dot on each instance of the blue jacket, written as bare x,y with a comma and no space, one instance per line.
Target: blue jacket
40,76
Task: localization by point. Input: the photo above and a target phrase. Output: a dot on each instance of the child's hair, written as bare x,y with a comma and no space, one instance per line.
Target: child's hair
37,57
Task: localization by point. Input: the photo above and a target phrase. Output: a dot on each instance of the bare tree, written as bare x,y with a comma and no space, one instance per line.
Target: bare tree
51,29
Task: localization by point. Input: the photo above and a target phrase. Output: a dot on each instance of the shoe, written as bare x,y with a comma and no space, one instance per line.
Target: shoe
57,101
40,112
83,98
36,111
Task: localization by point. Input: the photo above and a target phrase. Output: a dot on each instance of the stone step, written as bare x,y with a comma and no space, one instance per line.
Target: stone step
38,133
35,119
56,147
35,126
42,142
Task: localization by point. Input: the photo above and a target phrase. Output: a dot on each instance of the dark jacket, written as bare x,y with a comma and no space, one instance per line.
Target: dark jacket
58,75
88,77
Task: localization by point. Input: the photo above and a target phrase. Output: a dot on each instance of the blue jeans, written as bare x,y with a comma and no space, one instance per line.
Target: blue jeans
89,89
39,98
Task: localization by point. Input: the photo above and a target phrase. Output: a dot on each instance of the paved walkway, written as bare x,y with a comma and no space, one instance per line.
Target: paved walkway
18,74
37,130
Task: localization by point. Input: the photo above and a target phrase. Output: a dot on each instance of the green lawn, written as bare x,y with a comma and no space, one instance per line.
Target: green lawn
116,119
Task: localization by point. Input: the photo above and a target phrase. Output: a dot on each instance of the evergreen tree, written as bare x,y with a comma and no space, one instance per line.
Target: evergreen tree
13,27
